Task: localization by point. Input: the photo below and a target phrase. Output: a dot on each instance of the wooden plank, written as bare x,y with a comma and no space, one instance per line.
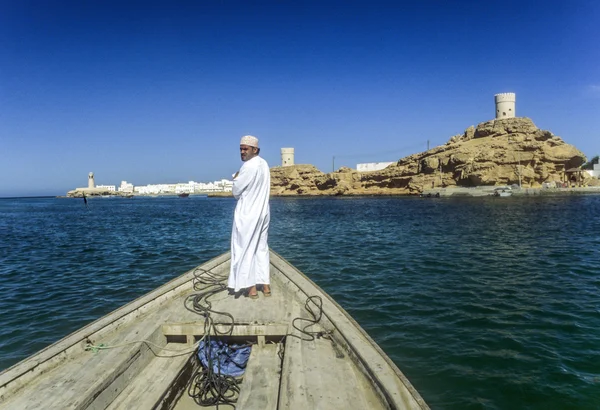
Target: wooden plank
92,380
261,379
197,329
150,385
264,310
314,378
395,389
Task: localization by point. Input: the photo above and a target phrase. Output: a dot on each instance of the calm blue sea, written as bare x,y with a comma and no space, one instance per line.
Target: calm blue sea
484,303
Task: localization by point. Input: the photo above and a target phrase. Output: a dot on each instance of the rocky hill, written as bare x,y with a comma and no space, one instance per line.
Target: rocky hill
493,153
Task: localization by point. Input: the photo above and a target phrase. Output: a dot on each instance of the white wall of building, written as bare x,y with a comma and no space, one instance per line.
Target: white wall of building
505,105
373,166
595,172
287,157
155,189
110,188
224,185
185,188
126,187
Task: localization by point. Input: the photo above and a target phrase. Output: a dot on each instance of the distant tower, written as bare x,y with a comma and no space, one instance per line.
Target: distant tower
91,183
505,105
287,157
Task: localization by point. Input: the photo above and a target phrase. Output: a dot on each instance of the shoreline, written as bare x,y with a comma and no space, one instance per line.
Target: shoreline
488,191
480,191
129,196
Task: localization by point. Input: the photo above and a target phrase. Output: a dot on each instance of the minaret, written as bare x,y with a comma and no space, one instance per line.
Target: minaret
505,105
287,157
91,183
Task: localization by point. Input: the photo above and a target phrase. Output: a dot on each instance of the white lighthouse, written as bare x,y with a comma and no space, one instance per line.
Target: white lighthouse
287,157
505,105
91,183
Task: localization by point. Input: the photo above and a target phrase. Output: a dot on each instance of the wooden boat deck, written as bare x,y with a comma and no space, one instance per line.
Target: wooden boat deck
284,372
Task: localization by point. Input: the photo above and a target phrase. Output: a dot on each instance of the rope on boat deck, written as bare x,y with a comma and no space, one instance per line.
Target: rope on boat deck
211,279
90,346
316,318
210,388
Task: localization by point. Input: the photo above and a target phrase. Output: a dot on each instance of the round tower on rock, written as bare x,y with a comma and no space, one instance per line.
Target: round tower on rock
505,105
287,157
91,183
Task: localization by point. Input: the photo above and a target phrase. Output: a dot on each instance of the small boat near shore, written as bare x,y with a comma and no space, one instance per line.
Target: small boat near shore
306,352
183,195
502,191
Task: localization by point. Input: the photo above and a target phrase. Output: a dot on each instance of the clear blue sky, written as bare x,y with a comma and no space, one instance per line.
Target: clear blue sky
155,92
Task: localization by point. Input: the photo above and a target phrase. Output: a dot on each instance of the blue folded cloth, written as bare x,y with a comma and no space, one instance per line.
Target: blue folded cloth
227,360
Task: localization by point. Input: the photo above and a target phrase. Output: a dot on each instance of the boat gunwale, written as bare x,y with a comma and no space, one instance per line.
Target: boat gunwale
42,360
382,383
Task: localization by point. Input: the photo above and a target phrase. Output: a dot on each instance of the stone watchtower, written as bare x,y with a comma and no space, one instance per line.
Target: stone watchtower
91,183
287,157
505,105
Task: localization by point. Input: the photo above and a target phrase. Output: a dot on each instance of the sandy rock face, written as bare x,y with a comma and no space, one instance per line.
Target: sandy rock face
493,153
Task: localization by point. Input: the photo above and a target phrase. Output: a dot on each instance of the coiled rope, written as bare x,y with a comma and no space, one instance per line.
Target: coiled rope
210,388
316,318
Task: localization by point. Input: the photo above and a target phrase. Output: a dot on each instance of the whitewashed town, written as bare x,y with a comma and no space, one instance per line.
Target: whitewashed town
128,189
190,187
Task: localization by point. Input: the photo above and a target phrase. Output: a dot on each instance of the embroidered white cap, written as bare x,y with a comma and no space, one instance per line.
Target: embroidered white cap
249,140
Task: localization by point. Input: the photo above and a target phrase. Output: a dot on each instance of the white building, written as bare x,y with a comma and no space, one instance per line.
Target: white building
142,190
190,187
110,188
126,187
185,188
227,185
287,157
505,105
373,166
594,172
223,185
155,189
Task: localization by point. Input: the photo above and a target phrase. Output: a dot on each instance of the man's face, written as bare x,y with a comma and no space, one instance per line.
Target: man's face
247,152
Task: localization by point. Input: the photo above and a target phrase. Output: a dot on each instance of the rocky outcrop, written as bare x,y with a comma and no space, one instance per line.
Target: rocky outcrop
91,192
496,152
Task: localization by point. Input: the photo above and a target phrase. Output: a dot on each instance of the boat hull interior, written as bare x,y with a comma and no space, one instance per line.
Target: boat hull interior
307,352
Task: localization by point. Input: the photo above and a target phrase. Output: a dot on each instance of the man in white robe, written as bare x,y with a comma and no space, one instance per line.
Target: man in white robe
249,248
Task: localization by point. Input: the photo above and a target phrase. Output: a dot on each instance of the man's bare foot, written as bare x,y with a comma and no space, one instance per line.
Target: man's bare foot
252,293
266,290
